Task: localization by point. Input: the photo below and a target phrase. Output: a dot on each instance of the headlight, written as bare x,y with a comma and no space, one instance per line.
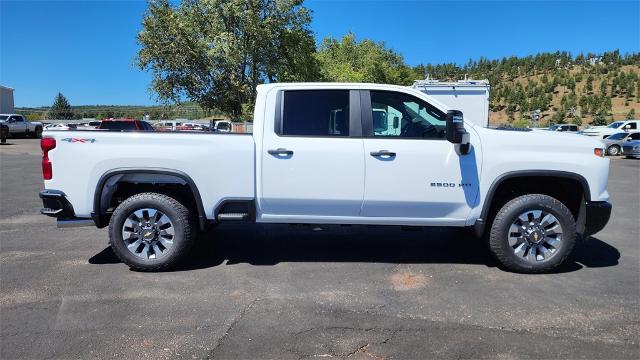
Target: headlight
598,152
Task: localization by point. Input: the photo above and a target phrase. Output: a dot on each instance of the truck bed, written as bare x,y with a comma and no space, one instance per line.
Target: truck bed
220,165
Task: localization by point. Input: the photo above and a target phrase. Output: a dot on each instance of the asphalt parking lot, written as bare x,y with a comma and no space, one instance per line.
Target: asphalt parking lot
292,293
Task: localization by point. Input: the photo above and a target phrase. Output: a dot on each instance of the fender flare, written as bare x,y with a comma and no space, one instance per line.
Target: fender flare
98,216
486,205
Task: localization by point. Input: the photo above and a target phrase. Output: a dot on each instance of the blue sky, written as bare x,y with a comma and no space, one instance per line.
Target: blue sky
85,49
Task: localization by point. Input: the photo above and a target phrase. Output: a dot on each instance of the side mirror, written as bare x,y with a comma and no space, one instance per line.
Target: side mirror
456,134
396,122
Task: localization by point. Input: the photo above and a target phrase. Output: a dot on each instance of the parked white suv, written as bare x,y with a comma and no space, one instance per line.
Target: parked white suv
331,153
601,132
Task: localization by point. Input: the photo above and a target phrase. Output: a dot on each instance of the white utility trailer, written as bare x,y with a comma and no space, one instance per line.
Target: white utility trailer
469,96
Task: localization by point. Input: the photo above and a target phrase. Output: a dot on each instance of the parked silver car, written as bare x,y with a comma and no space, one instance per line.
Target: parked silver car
613,144
631,149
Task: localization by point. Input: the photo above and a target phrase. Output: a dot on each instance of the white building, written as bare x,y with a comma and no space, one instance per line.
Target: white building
6,100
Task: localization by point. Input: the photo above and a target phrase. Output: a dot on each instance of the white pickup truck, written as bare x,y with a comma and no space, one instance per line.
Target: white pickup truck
19,126
603,132
330,153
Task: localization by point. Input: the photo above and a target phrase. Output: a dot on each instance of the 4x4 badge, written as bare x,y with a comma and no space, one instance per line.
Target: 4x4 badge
79,140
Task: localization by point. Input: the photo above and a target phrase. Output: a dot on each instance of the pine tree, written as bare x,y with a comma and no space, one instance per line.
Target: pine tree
61,109
603,88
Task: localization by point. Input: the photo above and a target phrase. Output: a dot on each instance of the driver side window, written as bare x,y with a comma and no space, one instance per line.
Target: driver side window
404,116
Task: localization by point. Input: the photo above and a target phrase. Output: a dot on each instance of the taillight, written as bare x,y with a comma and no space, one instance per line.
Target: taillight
46,144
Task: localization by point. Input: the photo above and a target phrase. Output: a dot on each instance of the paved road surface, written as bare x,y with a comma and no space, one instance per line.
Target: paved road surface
293,293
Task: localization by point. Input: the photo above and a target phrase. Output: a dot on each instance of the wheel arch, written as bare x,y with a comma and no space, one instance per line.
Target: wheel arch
489,205
108,182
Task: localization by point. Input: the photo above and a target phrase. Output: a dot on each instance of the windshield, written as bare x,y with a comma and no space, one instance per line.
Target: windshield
554,127
3,117
224,126
615,124
618,136
118,125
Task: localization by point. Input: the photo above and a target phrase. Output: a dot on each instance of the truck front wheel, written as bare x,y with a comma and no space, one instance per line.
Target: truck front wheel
532,234
151,232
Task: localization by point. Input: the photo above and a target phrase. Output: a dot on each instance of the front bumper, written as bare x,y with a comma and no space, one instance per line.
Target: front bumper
597,214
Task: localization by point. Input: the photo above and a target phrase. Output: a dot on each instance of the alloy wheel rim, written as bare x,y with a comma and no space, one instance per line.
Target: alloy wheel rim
148,233
535,236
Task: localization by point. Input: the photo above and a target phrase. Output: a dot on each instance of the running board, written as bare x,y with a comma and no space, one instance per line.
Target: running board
77,222
233,216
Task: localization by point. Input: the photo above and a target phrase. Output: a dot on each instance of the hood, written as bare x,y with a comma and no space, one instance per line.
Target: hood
550,141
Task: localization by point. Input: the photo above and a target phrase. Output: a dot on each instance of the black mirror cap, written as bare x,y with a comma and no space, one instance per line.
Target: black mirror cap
455,126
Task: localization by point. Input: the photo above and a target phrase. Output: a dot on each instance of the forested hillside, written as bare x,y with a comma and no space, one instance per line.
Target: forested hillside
585,89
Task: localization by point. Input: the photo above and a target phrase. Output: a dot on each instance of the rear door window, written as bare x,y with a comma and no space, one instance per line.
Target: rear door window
315,113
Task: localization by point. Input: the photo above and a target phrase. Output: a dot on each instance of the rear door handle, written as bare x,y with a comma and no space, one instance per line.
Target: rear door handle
280,151
383,153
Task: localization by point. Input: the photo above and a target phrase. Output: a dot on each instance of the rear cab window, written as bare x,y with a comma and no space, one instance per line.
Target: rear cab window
118,125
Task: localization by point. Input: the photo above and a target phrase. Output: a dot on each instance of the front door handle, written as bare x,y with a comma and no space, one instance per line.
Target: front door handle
383,153
280,151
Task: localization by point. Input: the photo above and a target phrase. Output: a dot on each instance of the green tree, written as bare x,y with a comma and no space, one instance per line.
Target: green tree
631,114
349,60
600,119
521,123
589,86
61,109
558,117
216,52
603,88
576,120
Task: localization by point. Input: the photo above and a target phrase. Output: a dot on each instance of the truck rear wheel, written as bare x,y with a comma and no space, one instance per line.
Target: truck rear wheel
532,234
151,232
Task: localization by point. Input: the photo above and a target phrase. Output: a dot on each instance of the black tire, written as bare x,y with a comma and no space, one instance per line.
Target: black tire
616,150
499,234
38,133
180,217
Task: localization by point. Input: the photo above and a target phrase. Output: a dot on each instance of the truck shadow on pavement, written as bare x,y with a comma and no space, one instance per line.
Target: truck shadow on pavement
269,245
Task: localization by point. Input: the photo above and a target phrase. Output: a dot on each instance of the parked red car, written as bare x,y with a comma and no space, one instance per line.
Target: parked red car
125,125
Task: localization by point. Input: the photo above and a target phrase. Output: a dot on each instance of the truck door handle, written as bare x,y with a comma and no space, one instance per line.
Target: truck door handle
383,153
280,151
